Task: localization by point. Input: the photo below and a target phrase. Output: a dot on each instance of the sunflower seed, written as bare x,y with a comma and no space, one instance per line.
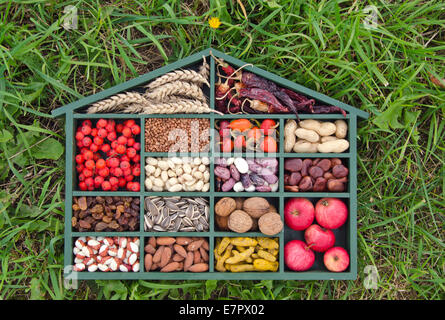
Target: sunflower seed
158,228
171,205
177,225
166,222
148,222
176,214
186,229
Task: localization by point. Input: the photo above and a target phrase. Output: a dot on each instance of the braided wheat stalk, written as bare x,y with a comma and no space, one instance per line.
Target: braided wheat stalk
176,88
178,75
116,102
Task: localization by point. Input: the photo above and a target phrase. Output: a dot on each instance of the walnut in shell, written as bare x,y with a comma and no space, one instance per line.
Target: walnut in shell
225,206
239,203
270,223
222,222
256,206
239,221
254,225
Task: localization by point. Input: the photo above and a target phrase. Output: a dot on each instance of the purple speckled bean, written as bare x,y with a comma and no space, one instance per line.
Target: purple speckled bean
255,167
266,172
267,162
263,189
222,162
228,185
270,179
245,180
234,172
256,179
222,172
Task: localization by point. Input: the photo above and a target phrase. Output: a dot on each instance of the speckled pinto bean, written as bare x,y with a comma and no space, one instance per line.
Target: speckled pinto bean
251,174
177,135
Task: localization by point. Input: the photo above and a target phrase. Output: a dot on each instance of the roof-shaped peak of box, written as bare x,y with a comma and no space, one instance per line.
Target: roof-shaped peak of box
194,58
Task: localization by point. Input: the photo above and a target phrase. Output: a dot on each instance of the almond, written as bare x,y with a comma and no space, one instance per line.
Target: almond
152,242
165,257
172,266
149,249
165,241
188,261
196,257
177,257
199,267
154,266
180,267
180,250
148,262
183,241
204,254
193,246
205,245
158,254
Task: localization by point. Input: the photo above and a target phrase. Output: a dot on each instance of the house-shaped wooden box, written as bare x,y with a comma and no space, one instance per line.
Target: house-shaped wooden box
74,114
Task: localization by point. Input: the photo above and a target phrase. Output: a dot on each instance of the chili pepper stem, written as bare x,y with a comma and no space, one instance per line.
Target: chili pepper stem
242,105
220,61
228,104
225,95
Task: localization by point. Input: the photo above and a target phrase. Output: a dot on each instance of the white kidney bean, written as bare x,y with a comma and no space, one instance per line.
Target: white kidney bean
177,174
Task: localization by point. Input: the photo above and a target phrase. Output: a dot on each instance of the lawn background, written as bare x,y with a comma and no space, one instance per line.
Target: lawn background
393,72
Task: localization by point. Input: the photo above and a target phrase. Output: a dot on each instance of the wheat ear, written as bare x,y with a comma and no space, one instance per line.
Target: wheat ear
178,75
176,88
178,106
204,69
116,102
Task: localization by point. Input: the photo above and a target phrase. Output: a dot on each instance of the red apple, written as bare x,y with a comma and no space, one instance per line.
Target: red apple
299,213
318,238
298,256
331,213
336,259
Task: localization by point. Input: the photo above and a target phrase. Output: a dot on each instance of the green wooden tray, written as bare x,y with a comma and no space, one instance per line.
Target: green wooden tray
347,235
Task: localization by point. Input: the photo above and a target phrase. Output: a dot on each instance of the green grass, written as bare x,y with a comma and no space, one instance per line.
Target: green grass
320,44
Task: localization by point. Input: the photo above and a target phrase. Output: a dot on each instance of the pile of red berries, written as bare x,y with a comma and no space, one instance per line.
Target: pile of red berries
108,157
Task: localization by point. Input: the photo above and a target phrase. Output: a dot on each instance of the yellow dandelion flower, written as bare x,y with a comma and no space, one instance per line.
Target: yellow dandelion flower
214,22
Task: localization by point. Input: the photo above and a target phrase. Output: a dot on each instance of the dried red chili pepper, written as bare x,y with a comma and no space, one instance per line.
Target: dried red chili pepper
265,96
301,102
252,80
329,109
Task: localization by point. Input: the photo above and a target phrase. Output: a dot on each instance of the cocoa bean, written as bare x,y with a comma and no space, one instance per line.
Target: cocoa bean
340,171
305,166
325,164
315,172
335,161
294,179
319,185
293,165
305,184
